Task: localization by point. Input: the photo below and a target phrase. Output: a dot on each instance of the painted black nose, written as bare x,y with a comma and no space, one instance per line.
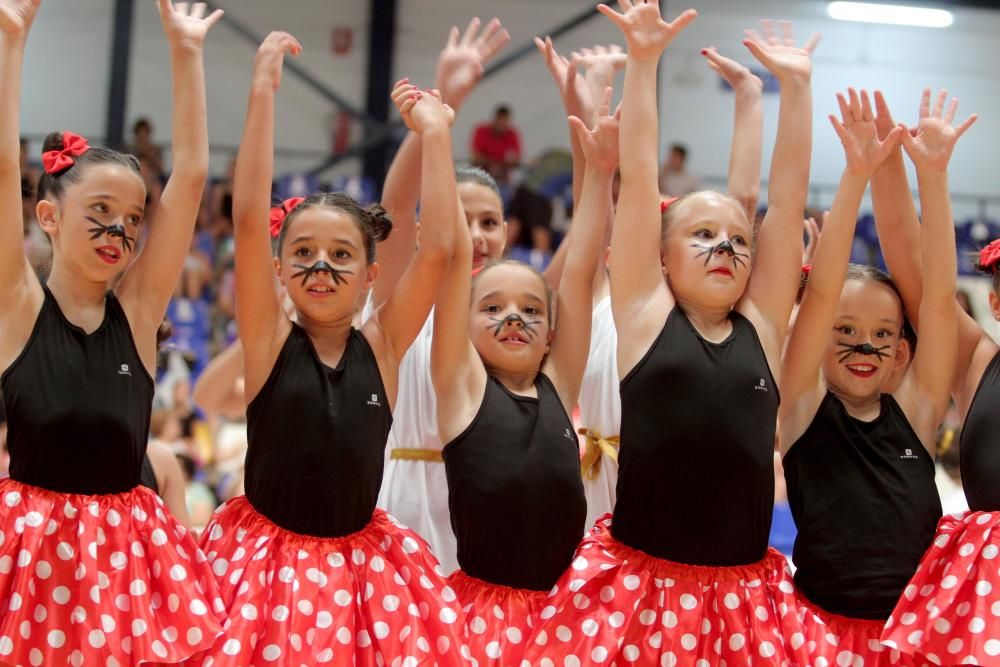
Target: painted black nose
725,247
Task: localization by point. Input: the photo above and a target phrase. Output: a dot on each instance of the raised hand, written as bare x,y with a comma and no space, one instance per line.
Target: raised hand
884,124
778,53
270,58
421,110
572,87
734,73
600,145
16,17
931,142
185,24
463,60
600,64
812,238
862,147
645,31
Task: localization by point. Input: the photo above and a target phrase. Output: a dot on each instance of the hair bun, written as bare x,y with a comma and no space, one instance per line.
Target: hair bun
53,142
381,222
164,331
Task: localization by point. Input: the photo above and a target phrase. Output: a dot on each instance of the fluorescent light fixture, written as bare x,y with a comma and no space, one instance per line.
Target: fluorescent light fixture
869,12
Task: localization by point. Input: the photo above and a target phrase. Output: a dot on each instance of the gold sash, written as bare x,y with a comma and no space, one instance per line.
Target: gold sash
590,466
416,454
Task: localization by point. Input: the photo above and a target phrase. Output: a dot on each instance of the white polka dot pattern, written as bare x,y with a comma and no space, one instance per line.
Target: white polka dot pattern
618,606
372,597
951,608
89,580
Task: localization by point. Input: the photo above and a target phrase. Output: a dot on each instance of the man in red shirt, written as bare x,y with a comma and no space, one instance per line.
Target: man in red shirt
496,146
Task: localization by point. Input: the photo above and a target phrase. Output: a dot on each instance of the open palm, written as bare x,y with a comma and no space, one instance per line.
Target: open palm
645,31
862,147
16,16
185,24
600,145
463,60
932,141
778,52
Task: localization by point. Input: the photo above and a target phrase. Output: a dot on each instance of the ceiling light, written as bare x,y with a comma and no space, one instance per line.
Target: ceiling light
868,12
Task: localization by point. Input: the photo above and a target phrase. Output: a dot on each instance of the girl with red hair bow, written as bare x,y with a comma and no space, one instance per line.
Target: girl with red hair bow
92,567
309,570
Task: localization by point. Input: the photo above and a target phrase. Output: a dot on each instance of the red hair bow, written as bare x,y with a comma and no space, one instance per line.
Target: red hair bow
806,269
665,203
57,161
990,255
279,213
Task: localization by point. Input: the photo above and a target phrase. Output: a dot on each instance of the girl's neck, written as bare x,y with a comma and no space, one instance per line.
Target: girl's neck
866,409
327,333
522,383
71,292
712,323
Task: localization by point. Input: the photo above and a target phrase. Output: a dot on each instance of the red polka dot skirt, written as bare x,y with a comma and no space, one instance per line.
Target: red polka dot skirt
499,619
619,606
375,597
950,611
829,640
99,580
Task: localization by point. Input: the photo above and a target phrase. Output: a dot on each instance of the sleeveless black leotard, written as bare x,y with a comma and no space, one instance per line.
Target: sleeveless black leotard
515,490
696,469
317,438
864,500
78,404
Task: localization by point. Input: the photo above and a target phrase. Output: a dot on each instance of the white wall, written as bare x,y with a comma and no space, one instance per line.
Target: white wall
66,86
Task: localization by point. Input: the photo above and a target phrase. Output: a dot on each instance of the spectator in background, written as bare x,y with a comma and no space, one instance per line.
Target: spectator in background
28,171
496,146
143,147
529,213
675,179
37,248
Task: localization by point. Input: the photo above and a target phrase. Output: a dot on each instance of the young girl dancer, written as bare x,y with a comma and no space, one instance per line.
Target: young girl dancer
600,403
698,339
92,569
858,461
946,611
505,383
309,570
414,489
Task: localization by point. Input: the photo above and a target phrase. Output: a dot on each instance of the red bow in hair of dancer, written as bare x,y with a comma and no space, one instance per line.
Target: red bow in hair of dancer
279,213
806,268
989,256
666,203
58,161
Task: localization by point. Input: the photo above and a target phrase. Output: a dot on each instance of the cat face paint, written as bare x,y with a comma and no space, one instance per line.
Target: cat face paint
708,251
321,267
529,327
846,350
116,230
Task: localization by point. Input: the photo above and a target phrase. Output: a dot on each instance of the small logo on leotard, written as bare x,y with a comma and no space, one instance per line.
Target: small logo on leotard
374,401
908,454
762,386
124,370
569,434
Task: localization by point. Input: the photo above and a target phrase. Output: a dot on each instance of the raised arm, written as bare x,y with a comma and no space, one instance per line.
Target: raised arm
801,383
899,236
398,321
640,299
457,372
459,68
924,395
20,293
148,285
219,388
568,355
748,128
777,264
258,314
